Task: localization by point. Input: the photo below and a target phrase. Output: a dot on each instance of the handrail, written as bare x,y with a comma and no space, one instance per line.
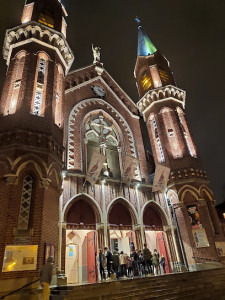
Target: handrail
15,291
21,288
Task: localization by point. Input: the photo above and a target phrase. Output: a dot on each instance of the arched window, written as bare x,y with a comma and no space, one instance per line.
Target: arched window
59,96
156,138
186,133
25,205
13,95
47,18
175,148
146,81
100,136
38,106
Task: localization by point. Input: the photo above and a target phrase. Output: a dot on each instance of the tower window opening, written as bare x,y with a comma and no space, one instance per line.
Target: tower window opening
25,205
146,82
171,132
38,98
186,134
41,71
158,142
47,18
37,103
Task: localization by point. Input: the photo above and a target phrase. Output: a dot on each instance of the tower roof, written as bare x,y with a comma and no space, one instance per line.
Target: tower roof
145,45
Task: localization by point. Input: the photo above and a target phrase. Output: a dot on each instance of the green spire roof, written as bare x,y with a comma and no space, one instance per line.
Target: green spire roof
145,45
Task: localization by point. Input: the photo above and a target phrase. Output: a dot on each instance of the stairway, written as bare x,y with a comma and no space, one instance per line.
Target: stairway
208,284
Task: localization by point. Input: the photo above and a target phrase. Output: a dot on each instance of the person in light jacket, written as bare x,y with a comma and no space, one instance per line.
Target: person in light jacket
123,263
46,278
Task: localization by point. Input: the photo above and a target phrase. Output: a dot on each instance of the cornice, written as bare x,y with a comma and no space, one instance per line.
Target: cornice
36,32
161,94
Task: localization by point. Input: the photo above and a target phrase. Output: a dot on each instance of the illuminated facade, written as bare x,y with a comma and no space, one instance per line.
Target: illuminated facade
52,121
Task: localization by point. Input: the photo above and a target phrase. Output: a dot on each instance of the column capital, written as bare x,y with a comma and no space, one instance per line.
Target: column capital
201,202
45,183
11,179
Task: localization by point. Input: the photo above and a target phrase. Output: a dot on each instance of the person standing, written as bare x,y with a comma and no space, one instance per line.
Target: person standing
109,261
101,262
116,263
134,257
155,262
163,263
129,267
123,262
148,258
46,278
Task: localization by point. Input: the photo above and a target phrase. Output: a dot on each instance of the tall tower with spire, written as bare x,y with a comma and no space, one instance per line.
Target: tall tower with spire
31,133
162,105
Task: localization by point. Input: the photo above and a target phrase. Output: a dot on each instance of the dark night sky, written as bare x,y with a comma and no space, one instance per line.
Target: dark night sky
190,33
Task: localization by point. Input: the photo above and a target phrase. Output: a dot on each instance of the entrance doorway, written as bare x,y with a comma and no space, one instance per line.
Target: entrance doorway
81,244
122,238
155,236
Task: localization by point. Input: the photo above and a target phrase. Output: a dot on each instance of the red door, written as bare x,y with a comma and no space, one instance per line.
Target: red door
163,250
91,257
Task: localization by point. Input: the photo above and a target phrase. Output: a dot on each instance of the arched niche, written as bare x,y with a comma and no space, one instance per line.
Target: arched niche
153,215
81,212
121,214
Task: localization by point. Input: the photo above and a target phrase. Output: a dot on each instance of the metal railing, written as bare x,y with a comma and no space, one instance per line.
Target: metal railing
19,289
23,287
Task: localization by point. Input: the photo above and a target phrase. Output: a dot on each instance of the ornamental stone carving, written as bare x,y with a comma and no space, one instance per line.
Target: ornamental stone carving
11,179
45,183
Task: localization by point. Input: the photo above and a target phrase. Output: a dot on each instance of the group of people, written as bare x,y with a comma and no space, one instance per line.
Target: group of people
137,264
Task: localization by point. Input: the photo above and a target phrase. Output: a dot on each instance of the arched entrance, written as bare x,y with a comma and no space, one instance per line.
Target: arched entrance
81,217
154,221
121,218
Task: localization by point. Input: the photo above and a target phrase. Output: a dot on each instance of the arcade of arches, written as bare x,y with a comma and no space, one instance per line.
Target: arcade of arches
84,235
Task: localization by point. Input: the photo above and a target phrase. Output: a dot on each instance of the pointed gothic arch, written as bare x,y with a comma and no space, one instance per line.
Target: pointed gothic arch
91,201
71,123
127,205
158,209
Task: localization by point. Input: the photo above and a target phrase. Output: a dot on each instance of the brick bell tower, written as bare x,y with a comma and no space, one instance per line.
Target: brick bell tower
162,105
31,135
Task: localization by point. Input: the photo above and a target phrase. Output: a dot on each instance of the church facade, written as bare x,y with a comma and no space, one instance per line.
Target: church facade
52,121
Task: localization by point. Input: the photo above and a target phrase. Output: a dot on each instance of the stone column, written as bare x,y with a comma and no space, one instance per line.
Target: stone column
60,230
140,221
105,221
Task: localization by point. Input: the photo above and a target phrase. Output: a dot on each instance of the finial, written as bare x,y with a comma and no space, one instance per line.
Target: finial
138,20
96,54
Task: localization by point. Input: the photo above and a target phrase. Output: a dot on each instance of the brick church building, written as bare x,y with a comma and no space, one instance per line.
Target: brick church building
53,119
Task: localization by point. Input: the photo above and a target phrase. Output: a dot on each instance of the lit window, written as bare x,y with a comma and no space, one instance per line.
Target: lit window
47,19
224,216
164,76
146,82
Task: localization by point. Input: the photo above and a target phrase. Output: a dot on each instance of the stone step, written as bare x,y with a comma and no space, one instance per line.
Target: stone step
137,284
169,286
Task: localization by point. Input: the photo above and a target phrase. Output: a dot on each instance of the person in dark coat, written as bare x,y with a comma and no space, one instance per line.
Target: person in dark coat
163,263
46,278
134,257
109,261
116,263
148,258
101,262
